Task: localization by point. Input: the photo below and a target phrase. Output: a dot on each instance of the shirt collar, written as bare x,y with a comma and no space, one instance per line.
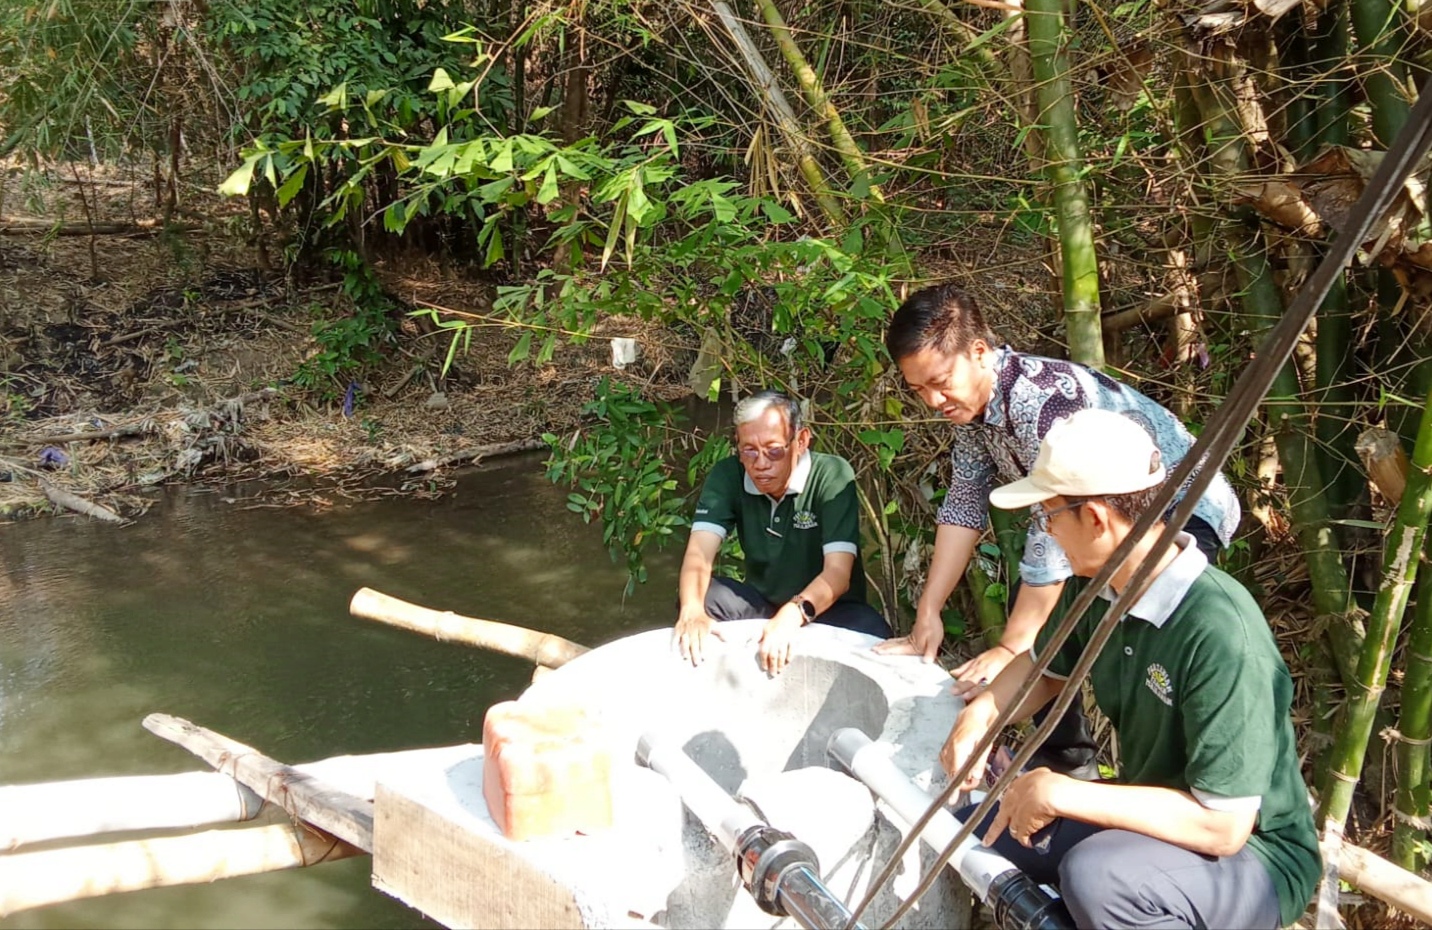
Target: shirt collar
1169,586
994,409
799,476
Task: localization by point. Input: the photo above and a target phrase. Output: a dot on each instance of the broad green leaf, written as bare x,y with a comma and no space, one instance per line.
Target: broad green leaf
521,350
540,113
373,96
237,184
292,185
640,109
337,98
502,158
495,252
548,191
440,81
776,213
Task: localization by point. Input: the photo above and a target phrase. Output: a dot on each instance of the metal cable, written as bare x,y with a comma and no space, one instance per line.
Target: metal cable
1207,456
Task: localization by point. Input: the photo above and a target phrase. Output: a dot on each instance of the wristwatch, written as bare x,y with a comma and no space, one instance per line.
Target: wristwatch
807,608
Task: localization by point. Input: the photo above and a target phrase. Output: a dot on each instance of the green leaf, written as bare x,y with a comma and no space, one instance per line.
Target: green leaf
237,184
495,252
292,185
640,109
337,98
522,350
776,213
548,191
502,158
440,81
540,113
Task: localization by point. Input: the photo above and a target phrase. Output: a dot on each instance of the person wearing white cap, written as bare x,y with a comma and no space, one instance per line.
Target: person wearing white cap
1001,403
1208,823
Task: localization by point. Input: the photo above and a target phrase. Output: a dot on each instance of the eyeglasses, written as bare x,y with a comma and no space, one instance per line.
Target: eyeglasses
1041,515
772,453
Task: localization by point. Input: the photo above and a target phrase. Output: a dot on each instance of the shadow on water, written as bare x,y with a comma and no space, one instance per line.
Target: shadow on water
238,620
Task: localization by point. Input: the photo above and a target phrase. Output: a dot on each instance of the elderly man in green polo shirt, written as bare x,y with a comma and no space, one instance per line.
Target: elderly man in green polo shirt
1208,823
797,516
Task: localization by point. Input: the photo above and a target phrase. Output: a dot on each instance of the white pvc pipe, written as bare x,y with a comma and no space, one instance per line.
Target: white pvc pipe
870,762
725,817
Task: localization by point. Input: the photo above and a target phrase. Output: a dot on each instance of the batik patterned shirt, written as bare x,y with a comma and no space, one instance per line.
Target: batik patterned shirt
1030,394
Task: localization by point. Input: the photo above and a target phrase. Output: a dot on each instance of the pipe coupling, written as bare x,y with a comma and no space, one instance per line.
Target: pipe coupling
764,856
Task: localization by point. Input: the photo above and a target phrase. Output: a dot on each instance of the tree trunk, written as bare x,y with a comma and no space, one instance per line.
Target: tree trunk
1399,572
1045,23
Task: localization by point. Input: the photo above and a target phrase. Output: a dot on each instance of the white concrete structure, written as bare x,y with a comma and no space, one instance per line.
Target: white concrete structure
761,738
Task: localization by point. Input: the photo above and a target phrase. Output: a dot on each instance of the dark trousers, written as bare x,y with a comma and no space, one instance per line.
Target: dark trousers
1071,745
1115,878
727,599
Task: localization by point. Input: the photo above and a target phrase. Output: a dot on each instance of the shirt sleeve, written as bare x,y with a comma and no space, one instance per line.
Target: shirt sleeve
1033,409
971,479
840,511
1229,721
716,508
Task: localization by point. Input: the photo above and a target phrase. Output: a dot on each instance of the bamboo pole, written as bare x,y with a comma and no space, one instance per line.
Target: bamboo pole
304,796
446,626
1399,572
1287,417
815,94
78,504
785,116
59,810
1413,797
1044,22
35,879
1385,881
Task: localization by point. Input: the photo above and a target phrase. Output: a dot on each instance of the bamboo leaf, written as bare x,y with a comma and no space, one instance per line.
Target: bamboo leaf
292,185
440,82
522,350
237,184
548,192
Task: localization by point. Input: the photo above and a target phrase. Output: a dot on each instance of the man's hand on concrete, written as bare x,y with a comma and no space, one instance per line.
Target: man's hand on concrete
1028,805
976,674
778,639
924,640
692,628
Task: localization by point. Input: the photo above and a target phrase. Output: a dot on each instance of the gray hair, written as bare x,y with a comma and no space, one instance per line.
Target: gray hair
757,404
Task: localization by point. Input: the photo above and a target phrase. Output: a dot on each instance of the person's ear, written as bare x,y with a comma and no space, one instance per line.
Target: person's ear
803,438
1097,512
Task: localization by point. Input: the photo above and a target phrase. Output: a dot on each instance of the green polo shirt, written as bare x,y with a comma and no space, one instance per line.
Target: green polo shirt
786,541
1193,682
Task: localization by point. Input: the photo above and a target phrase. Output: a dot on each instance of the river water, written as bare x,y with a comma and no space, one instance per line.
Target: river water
236,617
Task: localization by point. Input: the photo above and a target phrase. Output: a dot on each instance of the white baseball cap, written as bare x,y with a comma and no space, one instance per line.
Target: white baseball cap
1090,453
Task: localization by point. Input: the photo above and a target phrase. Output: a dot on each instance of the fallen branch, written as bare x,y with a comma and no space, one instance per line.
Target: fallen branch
78,504
1152,312
302,795
35,879
27,227
115,432
545,649
476,453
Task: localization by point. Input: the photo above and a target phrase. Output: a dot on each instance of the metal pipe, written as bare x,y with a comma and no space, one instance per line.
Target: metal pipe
1018,901
779,871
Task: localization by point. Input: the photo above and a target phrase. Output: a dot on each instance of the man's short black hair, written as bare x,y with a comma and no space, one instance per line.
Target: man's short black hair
944,317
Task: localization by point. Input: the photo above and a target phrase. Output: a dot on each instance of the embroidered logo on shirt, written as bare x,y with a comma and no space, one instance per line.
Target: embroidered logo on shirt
804,520
1160,684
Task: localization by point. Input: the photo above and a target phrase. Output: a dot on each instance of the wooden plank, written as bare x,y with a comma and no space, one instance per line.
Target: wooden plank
36,879
64,809
304,796
459,877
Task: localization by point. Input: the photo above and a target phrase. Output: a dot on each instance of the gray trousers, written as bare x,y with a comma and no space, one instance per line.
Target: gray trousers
1114,878
728,599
